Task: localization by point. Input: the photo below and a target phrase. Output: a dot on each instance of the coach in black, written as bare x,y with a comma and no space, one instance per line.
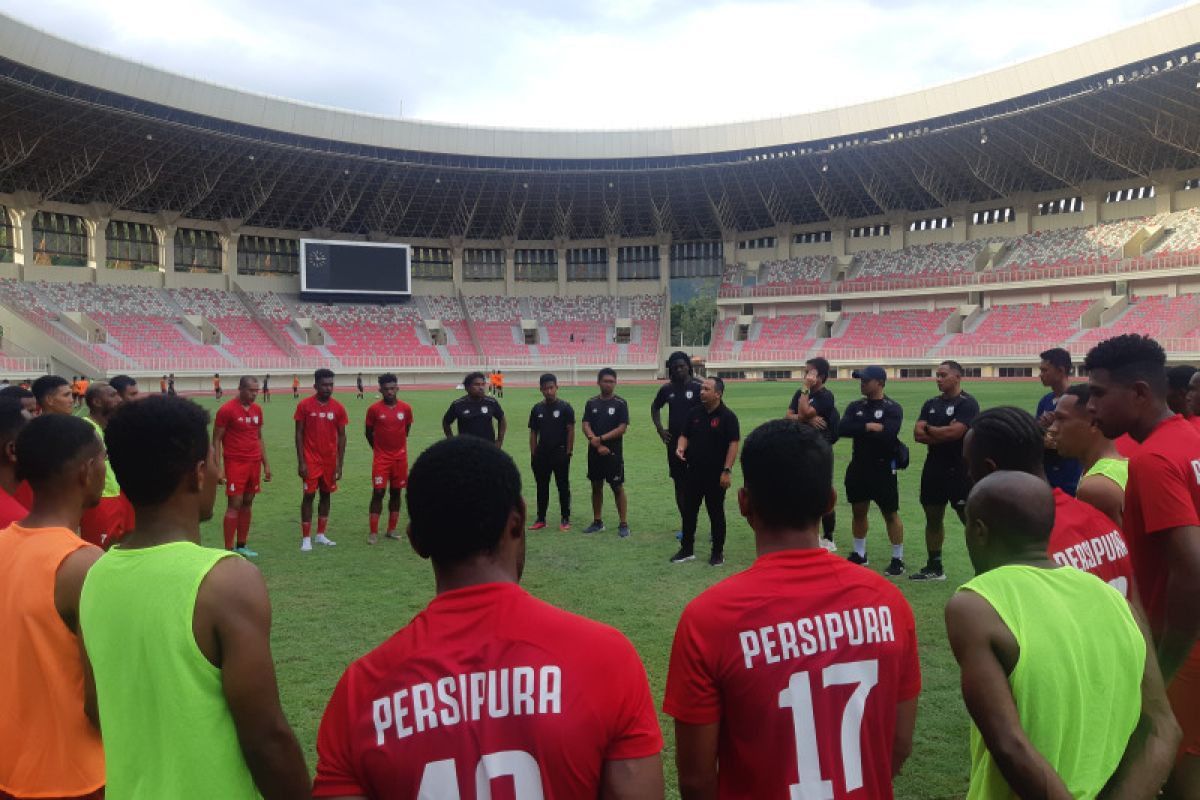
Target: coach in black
874,425
708,445
680,394
605,420
813,404
942,425
551,441
476,413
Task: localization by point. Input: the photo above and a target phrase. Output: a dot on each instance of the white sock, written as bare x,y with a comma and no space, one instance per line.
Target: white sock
860,547
897,551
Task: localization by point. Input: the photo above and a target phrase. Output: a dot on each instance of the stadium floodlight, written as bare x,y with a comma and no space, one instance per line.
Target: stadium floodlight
983,137
824,165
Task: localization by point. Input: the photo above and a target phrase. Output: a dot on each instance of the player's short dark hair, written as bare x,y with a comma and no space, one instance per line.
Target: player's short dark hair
246,380
1010,437
1082,393
1129,358
606,371
719,385
444,528
472,377
93,392
953,365
153,444
788,470
1057,357
12,418
387,378
47,444
820,365
47,384
322,374
122,383
1178,377
16,392
679,355
549,377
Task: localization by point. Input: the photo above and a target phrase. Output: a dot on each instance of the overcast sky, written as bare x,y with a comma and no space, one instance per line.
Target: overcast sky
581,63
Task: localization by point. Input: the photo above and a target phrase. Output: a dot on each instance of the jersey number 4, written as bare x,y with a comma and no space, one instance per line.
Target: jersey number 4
439,781
798,697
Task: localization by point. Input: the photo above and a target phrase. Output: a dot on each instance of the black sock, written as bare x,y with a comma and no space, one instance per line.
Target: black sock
935,558
828,523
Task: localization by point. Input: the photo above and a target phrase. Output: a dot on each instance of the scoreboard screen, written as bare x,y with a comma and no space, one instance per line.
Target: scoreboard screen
354,268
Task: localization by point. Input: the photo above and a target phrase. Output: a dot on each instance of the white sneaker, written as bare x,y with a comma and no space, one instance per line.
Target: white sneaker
325,540
305,545
829,545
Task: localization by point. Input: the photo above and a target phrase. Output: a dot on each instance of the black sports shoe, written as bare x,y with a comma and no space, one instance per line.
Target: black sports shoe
929,572
716,560
855,558
595,527
895,569
682,556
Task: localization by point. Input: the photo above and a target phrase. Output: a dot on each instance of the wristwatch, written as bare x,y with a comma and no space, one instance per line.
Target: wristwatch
727,470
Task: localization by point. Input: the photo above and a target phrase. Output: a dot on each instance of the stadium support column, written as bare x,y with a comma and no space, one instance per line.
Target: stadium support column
456,262
510,265
1164,184
1092,197
165,234
229,253
1023,208
560,257
664,263
22,222
97,242
611,248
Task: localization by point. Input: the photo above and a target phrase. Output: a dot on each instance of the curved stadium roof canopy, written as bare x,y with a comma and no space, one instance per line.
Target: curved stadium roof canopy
81,126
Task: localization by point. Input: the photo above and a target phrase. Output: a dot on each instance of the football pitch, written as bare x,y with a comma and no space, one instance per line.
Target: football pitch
335,604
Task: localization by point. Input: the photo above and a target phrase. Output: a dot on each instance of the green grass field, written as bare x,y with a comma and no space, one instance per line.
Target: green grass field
335,604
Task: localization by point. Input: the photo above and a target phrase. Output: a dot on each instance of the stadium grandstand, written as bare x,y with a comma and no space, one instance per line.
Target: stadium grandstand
152,223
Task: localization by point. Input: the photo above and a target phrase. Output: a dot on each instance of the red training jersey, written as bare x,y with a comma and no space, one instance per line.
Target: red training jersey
11,510
1163,493
486,689
242,440
321,421
1126,445
802,660
390,426
1085,538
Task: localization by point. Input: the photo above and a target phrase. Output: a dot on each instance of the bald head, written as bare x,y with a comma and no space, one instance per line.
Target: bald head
1007,513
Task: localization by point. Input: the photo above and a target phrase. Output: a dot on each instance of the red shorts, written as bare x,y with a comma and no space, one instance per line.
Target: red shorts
105,524
321,477
242,477
389,471
1184,694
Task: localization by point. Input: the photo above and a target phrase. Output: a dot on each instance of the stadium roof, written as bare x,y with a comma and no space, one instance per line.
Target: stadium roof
80,126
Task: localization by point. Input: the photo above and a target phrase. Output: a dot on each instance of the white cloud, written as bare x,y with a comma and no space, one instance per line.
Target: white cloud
603,63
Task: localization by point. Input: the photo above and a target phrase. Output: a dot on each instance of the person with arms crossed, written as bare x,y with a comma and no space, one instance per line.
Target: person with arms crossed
941,427
104,524
178,636
1128,386
49,737
320,451
295,387
1055,374
680,394
389,421
1062,686
53,395
708,445
874,425
814,404
242,457
1105,472
551,442
799,676
1009,438
487,687
605,420
500,383
217,385
476,413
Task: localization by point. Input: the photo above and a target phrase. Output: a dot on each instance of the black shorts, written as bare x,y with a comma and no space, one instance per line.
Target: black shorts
873,483
941,484
676,468
610,468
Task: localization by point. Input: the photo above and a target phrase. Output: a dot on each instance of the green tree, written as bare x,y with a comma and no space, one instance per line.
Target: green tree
693,320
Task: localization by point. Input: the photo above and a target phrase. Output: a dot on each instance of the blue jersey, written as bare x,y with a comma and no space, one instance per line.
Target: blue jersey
1063,473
